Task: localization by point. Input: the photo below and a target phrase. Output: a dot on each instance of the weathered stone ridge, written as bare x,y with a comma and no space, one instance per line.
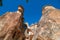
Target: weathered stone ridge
12,26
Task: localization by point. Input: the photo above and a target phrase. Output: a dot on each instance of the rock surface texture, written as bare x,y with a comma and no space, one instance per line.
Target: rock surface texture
48,27
12,26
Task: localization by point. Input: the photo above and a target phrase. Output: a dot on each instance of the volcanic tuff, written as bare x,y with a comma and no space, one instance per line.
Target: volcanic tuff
48,27
12,26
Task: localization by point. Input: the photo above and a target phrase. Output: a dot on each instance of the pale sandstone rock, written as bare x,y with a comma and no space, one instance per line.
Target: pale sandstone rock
11,25
48,27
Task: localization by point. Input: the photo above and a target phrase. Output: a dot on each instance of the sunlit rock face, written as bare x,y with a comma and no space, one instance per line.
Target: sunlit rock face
8,19
49,25
11,25
8,22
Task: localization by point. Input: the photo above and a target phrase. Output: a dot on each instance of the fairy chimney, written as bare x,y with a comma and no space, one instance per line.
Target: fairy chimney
49,24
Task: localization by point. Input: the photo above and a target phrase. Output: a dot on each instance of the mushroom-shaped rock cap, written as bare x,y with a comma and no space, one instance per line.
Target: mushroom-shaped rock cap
20,9
47,8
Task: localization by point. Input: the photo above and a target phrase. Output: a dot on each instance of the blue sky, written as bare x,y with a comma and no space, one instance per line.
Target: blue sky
32,9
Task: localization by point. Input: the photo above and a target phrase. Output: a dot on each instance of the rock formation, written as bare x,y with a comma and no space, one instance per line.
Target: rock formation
12,26
48,27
